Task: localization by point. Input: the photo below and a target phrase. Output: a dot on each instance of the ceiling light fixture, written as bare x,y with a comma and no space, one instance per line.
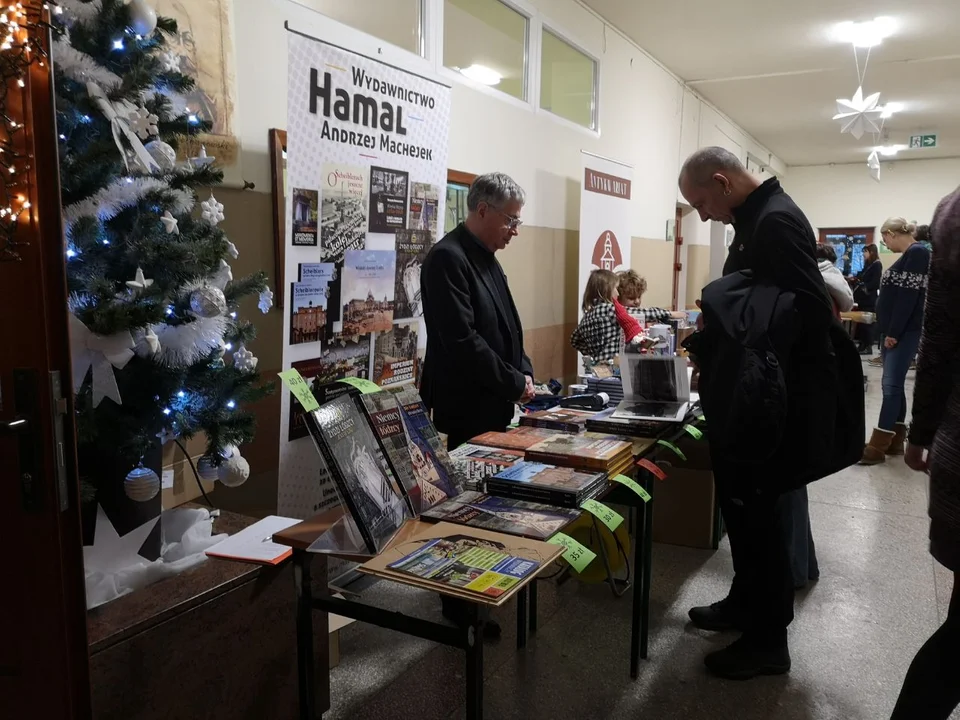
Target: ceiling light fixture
866,34
482,75
890,150
890,108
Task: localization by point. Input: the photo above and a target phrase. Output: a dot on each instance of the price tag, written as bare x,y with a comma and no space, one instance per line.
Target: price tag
701,418
652,468
301,391
576,554
609,517
364,386
672,447
636,487
693,432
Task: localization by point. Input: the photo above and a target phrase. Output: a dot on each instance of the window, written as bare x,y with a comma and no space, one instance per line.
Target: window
568,81
486,40
398,22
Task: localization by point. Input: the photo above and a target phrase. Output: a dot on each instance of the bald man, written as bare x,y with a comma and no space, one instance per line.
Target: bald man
760,502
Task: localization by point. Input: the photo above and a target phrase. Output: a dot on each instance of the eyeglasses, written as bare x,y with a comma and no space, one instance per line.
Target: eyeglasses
512,222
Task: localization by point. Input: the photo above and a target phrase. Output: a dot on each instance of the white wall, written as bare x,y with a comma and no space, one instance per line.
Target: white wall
846,195
641,108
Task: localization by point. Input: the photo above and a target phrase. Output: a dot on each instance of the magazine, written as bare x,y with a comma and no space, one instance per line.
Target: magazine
367,291
412,249
343,220
388,200
308,312
305,217
514,517
424,204
351,452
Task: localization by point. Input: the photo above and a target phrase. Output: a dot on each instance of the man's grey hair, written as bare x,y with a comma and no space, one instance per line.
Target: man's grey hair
706,162
494,189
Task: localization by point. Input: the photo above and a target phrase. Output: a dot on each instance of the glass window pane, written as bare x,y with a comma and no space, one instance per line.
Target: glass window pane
486,41
398,22
568,81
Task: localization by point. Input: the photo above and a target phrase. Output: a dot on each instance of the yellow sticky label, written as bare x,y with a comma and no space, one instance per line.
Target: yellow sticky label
364,386
633,485
693,432
609,517
301,391
670,446
574,553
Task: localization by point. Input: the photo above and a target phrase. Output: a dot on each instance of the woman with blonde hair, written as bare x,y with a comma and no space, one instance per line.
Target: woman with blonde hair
631,290
899,319
605,324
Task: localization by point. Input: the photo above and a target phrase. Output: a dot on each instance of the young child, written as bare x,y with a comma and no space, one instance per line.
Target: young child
605,324
631,289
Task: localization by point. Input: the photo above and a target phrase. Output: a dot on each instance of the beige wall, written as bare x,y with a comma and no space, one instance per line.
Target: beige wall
698,272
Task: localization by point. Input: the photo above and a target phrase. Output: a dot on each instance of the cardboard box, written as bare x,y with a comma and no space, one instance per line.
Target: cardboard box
177,481
683,507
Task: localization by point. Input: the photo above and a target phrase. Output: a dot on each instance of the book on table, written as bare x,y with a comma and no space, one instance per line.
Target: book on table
655,387
547,484
476,462
573,421
581,452
507,515
519,438
352,454
419,417
470,563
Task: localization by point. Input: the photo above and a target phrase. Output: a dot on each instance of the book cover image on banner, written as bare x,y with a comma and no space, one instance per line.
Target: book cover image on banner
412,249
308,312
344,219
367,292
305,217
395,355
424,208
388,200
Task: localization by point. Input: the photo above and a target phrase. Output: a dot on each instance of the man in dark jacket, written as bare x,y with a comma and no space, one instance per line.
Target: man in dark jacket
475,370
775,241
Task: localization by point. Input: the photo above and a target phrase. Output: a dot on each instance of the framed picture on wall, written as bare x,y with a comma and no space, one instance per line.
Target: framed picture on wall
458,185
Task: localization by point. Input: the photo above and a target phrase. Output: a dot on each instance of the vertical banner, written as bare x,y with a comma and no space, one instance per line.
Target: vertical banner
605,214
366,162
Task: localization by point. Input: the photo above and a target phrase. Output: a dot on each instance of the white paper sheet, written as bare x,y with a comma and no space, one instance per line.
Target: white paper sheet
254,543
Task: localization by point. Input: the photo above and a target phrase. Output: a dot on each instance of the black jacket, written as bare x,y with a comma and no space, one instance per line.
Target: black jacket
866,292
475,365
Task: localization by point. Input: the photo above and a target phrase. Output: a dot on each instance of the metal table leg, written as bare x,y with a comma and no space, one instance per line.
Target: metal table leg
533,606
638,589
474,674
649,485
306,675
522,619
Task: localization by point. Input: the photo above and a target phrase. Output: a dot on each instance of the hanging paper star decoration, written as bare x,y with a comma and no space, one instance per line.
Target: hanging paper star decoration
143,123
859,114
244,361
170,223
873,162
266,301
212,210
139,282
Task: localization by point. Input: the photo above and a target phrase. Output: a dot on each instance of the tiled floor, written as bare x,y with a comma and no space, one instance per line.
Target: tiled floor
880,596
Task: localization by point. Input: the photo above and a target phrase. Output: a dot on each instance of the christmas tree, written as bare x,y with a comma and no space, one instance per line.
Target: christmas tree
159,351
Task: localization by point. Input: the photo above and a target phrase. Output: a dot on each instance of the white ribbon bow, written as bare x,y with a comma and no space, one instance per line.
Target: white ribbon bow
102,354
118,115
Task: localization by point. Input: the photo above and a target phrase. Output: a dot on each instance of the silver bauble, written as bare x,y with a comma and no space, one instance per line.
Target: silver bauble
234,471
164,154
143,18
208,302
142,484
206,470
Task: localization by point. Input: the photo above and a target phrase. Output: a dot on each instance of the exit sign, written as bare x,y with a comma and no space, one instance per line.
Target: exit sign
923,141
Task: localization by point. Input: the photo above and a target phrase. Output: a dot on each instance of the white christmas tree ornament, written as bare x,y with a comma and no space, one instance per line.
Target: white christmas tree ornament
266,300
170,223
139,282
143,18
208,301
212,210
170,62
234,471
143,123
163,154
244,360
223,276
202,160
232,250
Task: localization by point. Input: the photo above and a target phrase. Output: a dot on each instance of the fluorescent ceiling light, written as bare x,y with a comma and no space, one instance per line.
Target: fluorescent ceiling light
482,75
890,150
890,108
866,34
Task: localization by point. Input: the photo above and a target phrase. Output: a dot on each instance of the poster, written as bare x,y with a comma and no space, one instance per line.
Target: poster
371,140
308,312
412,249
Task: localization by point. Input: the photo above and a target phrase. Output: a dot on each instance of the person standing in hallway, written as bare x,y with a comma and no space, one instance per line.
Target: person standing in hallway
840,293
931,690
899,317
775,242
865,296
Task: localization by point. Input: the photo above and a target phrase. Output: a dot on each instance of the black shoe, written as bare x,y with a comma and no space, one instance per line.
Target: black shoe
743,661
716,617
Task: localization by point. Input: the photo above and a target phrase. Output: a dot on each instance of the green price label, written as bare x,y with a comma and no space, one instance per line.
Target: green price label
701,418
693,432
364,386
670,446
574,553
636,487
301,391
609,517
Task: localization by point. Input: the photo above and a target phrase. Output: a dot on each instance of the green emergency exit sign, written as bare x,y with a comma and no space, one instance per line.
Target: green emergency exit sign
923,141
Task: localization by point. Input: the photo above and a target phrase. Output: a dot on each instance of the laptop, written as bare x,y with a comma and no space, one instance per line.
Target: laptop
656,388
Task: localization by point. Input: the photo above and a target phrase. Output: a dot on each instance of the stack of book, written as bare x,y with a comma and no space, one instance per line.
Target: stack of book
507,515
572,421
564,487
604,422
520,438
584,453
612,386
475,463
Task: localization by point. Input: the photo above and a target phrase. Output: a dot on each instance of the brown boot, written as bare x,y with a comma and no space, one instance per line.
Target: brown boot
899,437
875,451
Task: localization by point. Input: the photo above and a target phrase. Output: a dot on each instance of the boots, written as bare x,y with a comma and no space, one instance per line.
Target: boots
899,437
875,451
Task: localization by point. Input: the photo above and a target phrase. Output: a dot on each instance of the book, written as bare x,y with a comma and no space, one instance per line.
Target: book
412,248
351,452
557,419
424,208
308,312
604,422
343,205
516,439
366,293
395,355
419,417
304,210
514,517
388,199
461,562
422,477
552,485
476,462
255,542
577,451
